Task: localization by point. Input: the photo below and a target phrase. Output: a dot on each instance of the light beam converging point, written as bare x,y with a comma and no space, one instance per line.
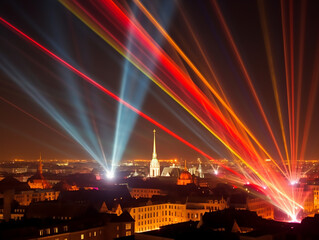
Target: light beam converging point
109,174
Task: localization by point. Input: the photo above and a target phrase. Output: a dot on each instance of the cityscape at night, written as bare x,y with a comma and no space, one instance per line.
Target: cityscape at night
162,119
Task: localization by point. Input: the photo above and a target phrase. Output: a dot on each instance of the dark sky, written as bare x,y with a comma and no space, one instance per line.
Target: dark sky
58,29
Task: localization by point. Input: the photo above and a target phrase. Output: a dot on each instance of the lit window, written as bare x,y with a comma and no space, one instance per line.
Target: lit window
117,228
47,231
128,226
94,234
90,234
128,233
41,232
55,230
82,236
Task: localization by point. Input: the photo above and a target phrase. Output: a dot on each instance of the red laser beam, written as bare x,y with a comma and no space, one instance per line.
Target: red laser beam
35,118
111,94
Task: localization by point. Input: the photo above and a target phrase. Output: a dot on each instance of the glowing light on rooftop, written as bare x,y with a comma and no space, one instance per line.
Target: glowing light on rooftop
109,174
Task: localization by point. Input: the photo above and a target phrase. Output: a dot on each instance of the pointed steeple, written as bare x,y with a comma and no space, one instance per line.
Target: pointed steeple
154,165
40,171
154,147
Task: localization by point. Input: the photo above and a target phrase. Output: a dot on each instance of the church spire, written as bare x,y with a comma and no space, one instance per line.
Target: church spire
40,165
154,166
154,147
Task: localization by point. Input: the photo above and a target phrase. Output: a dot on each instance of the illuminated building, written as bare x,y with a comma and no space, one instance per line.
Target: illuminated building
13,211
23,195
200,170
185,177
316,197
24,198
114,209
171,171
154,166
95,226
244,202
144,192
148,188
150,215
311,199
196,207
37,181
263,208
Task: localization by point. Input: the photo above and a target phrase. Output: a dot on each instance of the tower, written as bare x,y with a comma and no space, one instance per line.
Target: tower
40,170
154,166
200,171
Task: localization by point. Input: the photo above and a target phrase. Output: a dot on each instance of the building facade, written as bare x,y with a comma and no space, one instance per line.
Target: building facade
153,215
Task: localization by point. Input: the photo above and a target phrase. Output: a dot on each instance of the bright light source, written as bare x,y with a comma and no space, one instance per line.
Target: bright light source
293,182
294,219
109,174
216,172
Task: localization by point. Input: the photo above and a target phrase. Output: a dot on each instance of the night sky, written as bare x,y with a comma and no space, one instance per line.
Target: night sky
50,23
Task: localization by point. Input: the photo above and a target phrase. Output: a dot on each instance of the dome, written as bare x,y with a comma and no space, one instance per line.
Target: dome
185,175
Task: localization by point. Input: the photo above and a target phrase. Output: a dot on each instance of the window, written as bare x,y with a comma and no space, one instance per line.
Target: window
117,228
94,234
47,231
90,234
128,233
128,226
55,230
65,228
41,232
82,236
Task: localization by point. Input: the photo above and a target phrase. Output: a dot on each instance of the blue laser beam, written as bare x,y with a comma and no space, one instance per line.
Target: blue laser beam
134,84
